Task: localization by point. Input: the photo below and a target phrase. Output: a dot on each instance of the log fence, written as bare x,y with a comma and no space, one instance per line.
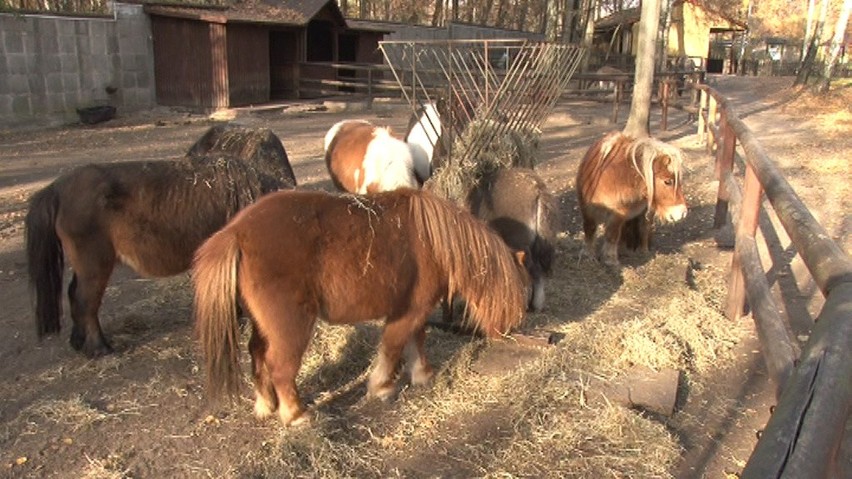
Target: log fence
813,388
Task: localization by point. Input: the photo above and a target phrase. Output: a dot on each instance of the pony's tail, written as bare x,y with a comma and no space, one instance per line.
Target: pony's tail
45,260
214,275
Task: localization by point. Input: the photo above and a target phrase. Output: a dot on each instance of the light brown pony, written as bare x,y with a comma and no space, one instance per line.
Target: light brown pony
621,180
363,158
296,256
149,215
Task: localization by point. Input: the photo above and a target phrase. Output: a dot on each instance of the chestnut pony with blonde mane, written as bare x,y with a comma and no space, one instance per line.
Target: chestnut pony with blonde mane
624,183
296,256
363,158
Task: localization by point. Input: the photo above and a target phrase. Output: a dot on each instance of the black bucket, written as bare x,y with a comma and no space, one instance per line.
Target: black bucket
96,114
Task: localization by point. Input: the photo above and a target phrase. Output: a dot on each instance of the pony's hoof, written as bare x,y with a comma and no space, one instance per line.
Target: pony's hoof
384,394
422,377
262,408
302,418
93,349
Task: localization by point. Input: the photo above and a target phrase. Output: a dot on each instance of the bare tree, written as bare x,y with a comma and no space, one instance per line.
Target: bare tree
643,82
836,42
813,45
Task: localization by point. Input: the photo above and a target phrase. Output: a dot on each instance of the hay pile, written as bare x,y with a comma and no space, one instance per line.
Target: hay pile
484,146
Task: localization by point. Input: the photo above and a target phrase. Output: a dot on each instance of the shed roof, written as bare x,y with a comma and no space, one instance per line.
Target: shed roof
280,12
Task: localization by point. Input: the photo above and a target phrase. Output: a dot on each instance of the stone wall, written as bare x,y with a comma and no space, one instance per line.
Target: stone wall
50,66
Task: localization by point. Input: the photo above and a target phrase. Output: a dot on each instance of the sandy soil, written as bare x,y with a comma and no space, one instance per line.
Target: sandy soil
141,412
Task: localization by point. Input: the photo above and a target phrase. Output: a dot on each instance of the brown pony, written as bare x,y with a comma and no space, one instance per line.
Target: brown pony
625,180
363,158
149,215
516,204
296,256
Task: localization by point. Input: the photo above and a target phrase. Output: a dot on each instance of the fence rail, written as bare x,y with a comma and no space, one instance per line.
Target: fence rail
814,389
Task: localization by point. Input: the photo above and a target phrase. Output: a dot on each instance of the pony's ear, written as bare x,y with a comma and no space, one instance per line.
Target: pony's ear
520,256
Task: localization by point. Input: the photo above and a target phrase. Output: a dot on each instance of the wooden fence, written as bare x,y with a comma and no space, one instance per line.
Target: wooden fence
814,388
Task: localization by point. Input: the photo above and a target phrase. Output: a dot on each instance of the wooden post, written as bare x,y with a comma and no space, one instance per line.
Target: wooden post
702,124
752,192
664,103
616,101
724,167
370,89
711,120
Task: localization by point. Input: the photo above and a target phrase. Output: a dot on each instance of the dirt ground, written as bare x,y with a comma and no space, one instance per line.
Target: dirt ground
141,411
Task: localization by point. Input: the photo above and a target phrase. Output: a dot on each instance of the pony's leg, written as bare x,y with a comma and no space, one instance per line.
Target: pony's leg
266,402
590,227
283,359
613,229
92,269
646,227
397,334
537,296
415,359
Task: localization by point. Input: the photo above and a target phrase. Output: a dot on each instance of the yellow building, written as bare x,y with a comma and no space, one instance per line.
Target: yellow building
697,32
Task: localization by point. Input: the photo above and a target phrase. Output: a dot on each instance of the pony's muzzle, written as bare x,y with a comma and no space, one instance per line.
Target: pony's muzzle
675,214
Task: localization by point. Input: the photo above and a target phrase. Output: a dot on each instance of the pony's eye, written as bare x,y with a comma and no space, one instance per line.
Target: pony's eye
669,182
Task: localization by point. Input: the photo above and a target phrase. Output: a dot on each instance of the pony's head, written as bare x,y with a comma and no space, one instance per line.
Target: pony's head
660,166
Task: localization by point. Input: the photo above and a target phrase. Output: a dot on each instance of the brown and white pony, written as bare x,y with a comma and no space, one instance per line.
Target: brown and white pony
363,158
516,203
296,256
150,215
621,180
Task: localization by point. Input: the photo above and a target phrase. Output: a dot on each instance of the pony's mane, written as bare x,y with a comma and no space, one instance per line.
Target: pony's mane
258,148
649,149
480,267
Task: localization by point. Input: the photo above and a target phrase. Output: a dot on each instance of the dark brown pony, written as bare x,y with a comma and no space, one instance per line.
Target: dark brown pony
149,215
296,256
623,180
516,204
363,158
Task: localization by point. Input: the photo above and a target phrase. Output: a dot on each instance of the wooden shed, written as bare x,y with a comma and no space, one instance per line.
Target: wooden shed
249,51
696,31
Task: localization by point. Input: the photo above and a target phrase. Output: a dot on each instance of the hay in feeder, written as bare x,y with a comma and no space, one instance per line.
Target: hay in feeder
484,146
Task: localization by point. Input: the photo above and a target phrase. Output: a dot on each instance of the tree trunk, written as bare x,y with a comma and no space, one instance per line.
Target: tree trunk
589,32
836,42
813,45
552,19
522,14
438,15
809,29
744,41
643,83
663,34
501,16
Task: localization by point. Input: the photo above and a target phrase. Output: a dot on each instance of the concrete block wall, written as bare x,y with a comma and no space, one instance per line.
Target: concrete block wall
50,66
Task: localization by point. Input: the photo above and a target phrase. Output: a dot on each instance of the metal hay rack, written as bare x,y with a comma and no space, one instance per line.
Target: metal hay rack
491,89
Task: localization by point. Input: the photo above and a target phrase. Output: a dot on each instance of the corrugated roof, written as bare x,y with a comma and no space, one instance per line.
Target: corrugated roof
283,12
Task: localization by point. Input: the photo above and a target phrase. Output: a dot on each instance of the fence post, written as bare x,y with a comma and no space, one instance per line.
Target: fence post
702,124
711,121
616,101
664,103
370,89
724,167
747,226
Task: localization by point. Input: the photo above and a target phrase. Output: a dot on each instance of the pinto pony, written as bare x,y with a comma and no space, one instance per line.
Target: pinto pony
516,204
622,180
296,256
363,158
149,215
